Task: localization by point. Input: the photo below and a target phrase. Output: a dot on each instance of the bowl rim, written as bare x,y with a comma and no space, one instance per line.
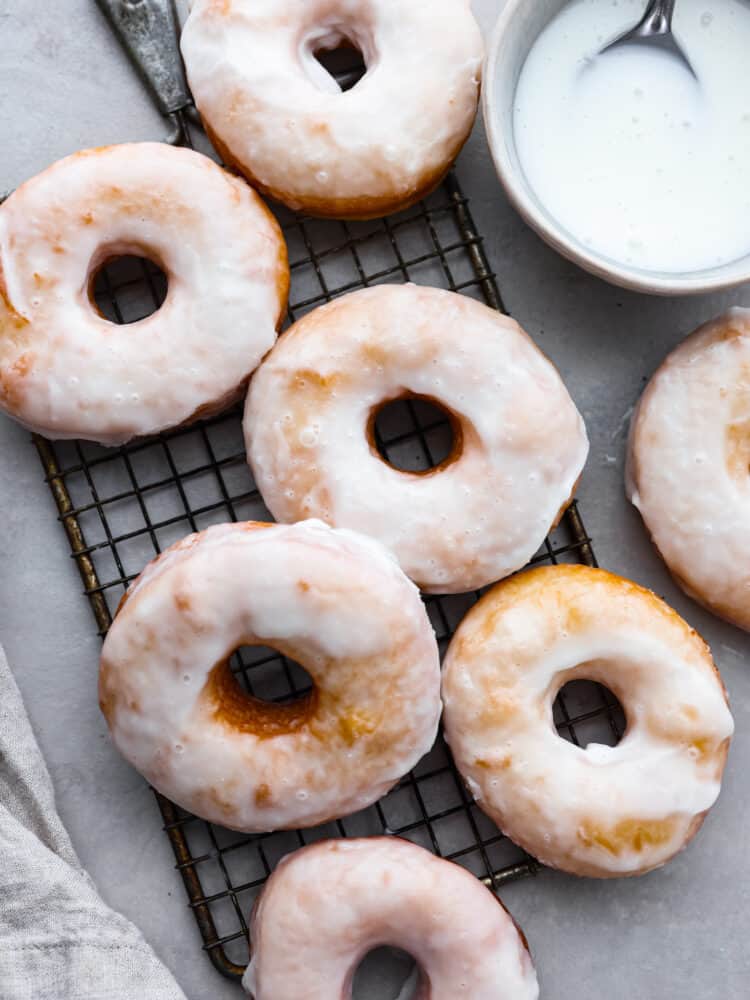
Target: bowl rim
518,193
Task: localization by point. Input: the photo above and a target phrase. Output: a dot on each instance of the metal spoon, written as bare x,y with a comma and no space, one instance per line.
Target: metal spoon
654,28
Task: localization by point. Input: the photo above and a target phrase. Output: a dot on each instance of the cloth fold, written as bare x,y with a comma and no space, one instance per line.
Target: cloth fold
58,939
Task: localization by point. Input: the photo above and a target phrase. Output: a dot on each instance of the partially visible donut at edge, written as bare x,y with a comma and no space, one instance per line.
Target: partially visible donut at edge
68,372
688,468
519,443
329,904
333,601
276,114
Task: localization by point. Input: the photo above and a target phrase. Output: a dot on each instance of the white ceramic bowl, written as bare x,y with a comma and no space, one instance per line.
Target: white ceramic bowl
518,26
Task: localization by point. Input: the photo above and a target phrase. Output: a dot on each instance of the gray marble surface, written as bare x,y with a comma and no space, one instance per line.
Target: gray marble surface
681,932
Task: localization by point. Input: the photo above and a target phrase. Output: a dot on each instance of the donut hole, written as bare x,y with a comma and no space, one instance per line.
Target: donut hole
343,60
126,287
386,972
414,434
585,712
268,676
259,690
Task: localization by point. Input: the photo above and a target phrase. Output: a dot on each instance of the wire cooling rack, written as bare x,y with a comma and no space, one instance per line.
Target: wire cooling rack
120,507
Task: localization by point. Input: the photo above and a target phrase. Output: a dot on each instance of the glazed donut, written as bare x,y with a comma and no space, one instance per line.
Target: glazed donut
326,906
597,810
519,442
335,602
66,371
277,115
688,462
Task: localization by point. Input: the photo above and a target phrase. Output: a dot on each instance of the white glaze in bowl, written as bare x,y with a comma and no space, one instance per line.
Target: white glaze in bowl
518,26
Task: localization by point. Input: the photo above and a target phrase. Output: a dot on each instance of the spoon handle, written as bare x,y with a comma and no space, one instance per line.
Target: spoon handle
658,17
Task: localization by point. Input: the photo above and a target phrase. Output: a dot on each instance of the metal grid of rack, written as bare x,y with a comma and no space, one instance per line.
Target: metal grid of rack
120,507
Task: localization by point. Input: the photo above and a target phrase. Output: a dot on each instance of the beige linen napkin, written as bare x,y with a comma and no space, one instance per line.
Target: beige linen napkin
58,940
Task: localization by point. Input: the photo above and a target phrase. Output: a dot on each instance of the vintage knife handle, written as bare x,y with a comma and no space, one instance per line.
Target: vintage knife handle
148,31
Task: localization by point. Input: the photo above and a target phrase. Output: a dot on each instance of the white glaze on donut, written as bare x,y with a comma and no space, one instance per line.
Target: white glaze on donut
476,518
332,600
277,115
65,371
326,906
689,464
595,810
